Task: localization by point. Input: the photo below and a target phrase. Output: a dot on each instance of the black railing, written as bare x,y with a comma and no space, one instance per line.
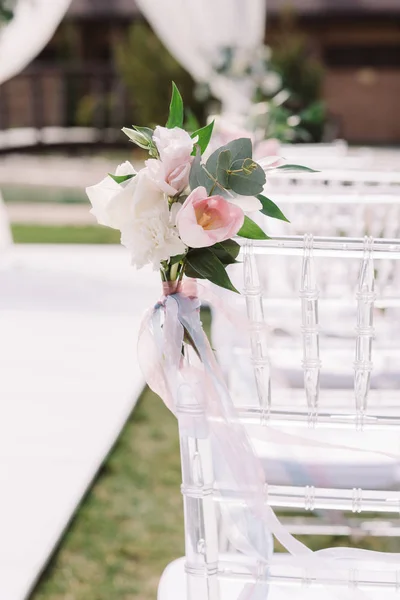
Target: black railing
46,96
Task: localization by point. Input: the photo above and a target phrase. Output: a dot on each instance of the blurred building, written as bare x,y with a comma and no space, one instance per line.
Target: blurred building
74,81
358,42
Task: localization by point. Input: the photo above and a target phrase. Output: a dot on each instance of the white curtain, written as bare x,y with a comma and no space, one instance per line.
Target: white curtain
195,31
32,27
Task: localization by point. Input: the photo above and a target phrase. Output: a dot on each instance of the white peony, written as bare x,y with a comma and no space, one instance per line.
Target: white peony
139,209
152,238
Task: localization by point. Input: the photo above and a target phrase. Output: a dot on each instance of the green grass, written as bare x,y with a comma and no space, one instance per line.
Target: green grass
131,524
64,234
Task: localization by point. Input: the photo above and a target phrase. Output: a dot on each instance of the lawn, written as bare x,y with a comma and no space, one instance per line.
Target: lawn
64,234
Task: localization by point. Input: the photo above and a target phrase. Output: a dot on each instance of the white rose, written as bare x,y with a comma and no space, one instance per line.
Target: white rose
115,204
108,195
125,168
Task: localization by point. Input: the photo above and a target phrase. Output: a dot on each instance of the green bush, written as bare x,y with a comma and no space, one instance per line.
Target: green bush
147,69
6,11
302,75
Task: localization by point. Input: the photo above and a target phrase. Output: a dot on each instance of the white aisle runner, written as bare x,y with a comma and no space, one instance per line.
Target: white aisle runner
69,378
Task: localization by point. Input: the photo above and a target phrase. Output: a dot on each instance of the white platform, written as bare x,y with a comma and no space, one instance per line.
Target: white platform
69,378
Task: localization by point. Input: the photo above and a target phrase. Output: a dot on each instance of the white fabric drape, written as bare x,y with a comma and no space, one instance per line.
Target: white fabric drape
195,32
33,25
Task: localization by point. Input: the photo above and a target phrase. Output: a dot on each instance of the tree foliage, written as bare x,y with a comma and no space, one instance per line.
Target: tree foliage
147,69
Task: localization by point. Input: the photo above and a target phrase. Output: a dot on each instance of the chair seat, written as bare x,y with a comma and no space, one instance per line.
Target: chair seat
173,587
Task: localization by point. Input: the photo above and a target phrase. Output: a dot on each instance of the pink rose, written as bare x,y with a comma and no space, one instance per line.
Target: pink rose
203,221
171,172
172,183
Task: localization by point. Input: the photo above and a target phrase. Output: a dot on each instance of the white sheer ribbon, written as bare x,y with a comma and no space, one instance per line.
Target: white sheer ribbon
32,27
195,33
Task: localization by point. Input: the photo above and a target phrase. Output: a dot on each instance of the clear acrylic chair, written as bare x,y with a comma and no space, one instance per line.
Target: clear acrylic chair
347,327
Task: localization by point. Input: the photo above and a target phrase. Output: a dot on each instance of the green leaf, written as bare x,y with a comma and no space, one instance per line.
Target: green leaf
198,176
252,231
175,118
121,178
204,136
175,259
223,164
147,132
239,149
6,14
138,138
190,272
270,209
296,168
207,265
226,251
249,178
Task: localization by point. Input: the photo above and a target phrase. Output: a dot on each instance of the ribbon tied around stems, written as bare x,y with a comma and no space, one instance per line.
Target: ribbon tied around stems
172,321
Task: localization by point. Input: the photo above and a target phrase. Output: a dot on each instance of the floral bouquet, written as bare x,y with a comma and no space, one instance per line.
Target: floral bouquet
180,212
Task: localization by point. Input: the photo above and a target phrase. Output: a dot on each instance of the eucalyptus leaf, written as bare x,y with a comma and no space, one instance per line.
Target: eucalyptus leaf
121,178
296,169
247,178
198,176
203,136
251,230
270,209
239,149
226,251
223,164
175,118
207,265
